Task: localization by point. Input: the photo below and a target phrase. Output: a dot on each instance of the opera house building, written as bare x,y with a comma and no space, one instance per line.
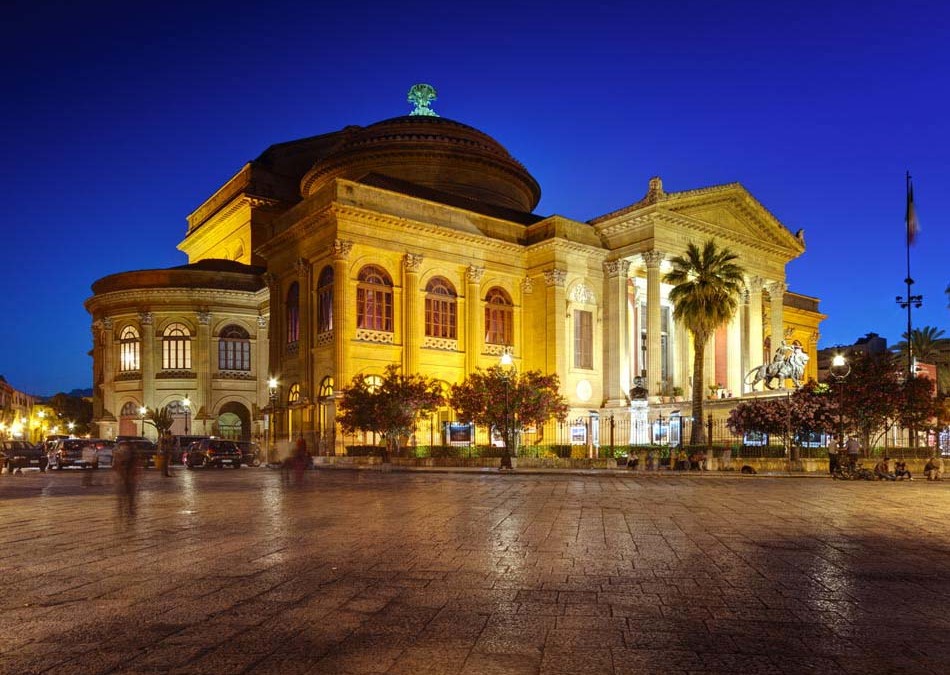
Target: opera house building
415,241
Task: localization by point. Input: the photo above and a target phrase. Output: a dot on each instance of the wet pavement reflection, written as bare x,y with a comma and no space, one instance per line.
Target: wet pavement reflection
229,571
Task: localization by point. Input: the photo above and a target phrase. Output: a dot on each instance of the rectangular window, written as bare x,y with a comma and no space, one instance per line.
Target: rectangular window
583,339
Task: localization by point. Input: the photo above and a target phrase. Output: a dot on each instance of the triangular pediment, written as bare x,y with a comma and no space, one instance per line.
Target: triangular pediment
726,212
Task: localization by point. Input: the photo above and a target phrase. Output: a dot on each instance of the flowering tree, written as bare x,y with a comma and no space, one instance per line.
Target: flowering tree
391,408
508,402
870,396
809,409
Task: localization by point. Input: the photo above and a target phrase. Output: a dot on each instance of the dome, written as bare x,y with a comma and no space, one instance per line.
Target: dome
434,152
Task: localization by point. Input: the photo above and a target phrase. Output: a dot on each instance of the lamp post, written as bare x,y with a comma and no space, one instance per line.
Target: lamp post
508,364
143,413
840,369
186,402
272,393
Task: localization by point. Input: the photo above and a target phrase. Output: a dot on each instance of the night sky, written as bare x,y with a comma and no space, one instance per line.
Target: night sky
119,120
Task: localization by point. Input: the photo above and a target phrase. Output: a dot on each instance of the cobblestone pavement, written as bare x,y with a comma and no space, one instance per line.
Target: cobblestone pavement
227,571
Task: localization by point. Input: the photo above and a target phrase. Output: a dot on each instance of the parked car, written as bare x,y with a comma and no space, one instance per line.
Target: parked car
17,455
250,452
86,453
213,452
180,445
142,449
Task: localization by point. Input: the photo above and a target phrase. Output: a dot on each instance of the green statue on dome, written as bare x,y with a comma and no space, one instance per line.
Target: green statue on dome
422,95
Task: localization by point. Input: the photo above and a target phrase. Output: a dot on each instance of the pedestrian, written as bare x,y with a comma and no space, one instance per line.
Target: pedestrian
934,468
651,460
900,470
300,460
883,470
832,456
88,461
165,450
853,449
127,466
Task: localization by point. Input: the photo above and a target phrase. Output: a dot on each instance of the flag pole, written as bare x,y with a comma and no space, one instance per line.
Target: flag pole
910,301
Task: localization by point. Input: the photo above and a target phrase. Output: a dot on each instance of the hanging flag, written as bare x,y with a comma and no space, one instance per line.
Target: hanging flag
911,216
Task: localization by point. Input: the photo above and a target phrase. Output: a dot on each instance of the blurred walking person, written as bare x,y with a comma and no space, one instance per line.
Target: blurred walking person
126,465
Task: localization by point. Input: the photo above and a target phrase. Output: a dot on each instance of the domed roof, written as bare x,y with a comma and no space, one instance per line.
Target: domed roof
434,152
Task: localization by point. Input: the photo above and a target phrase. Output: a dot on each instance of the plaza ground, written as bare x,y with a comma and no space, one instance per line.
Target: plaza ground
227,571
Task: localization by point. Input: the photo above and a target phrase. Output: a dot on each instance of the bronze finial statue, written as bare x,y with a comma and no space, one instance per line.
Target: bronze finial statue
422,95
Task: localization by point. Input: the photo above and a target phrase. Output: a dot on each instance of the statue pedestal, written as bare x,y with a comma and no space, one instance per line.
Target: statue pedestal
639,425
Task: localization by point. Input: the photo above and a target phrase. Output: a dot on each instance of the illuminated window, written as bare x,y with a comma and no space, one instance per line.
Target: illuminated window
325,301
176,347
234,349
326,387
129,346
293,313
498,317
583,339
374,300
294,395
373,382
440,309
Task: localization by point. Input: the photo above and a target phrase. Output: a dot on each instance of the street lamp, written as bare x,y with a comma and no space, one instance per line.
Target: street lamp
508,365
143,411
186,402
272,393
840,369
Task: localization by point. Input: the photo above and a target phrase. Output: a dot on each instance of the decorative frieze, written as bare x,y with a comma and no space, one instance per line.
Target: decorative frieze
302,267
555,277
377,336
145,318
261,321
444,344
128,376
204,317
107,323
176,375
324,338
494,350
583,295
527,285
292,348
412,262
234,375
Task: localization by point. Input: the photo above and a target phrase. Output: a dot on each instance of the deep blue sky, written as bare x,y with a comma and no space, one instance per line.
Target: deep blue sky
120,119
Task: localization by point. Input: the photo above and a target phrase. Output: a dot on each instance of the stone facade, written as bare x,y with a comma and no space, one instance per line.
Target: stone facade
413,241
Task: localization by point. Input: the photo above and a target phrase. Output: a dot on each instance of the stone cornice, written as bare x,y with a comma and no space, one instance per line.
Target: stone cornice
160,298
565,245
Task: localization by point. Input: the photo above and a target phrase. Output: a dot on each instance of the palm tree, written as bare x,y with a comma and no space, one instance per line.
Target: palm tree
705,295
924,342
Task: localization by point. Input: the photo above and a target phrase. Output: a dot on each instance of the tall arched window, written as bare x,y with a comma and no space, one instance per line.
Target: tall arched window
374,300
498,317
293,313
129,345
325,300
176,347
294,395
234,349
441,307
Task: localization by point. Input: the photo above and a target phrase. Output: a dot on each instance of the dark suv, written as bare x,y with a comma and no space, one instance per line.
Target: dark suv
17,455
213,452
250,452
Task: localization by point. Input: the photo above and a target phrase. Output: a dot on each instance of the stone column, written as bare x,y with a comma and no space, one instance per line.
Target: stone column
150,361
474,330
616,345
755,340
734,370
305,340
684,362
344,325
202,363
652,259
411,329
108,367
555,309
776,291
262,365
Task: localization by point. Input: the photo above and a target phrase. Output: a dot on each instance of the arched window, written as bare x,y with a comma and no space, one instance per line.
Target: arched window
293,313
325,300
129,346
441,307
234,349
374,300
498,317
373,382
294,395
176,347
326,387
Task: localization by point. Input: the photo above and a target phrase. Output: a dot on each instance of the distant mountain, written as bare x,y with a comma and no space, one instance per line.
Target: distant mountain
81,393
